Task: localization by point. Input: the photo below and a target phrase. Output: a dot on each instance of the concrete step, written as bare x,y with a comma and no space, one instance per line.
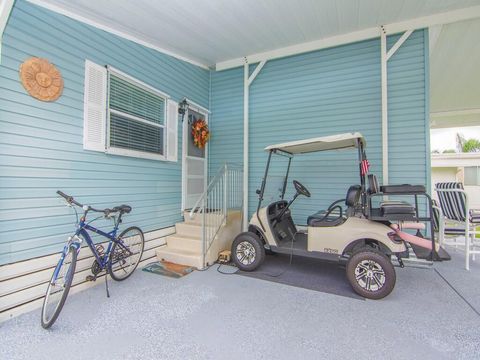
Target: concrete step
182,242
197,218
189,230
177,256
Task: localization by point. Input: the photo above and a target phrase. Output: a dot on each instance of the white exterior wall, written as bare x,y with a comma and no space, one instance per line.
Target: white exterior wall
449,167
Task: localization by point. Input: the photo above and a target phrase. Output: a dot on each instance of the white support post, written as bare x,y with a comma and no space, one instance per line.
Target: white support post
245,145
256,71
247,81
6,7
399,43
385,56
383,49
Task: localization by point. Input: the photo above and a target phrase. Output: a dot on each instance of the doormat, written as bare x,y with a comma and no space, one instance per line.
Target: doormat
304,272
168,269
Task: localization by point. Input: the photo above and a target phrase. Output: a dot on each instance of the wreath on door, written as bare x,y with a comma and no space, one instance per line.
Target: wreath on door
200,133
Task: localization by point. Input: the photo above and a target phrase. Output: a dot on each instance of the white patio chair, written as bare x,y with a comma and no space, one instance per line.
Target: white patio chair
457,219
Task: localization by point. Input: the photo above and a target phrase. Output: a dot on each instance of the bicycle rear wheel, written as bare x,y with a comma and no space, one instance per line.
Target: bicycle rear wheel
126,254
58,288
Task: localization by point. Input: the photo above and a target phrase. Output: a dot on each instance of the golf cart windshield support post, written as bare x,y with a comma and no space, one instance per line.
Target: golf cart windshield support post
262,189
361,157
286,178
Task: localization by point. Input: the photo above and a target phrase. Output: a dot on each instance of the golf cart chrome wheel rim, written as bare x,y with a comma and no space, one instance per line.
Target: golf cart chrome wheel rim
370,275
245,253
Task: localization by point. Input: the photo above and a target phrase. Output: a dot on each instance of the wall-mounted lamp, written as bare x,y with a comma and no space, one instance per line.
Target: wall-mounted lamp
183,107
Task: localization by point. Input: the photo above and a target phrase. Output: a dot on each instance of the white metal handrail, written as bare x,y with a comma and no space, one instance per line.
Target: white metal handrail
223,193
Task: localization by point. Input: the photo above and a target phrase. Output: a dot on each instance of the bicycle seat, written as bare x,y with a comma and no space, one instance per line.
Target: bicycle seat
122,208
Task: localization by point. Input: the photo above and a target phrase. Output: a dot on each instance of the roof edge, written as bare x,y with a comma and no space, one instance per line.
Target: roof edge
60,10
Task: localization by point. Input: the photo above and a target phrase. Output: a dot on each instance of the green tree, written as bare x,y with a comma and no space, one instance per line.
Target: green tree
471,145
449,151
466,146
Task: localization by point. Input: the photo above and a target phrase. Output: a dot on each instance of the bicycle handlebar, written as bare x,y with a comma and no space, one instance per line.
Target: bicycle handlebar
71,200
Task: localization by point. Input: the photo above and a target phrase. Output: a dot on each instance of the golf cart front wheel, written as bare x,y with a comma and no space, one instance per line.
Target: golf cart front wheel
248,252
371,274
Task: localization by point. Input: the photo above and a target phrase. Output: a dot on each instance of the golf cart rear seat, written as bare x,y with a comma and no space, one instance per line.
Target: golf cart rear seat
393,209
329,218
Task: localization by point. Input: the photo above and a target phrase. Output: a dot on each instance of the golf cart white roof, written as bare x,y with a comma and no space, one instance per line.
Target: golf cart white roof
332,142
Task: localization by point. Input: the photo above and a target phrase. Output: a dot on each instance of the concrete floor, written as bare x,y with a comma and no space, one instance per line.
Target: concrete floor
206,315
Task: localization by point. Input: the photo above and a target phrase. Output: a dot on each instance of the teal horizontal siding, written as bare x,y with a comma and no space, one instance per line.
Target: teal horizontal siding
321,93
407,115
226,120
41,143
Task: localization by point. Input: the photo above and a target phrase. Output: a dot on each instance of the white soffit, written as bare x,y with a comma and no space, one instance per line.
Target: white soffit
455,76
212,32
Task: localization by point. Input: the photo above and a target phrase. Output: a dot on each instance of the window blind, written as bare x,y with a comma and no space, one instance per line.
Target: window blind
137,117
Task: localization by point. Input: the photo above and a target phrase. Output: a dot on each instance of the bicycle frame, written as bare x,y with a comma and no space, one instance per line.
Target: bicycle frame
76,241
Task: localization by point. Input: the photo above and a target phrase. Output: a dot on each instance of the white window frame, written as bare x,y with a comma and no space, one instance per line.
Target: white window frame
130,152
477,175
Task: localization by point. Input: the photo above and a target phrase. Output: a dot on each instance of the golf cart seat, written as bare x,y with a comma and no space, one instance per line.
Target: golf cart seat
330,217
394,209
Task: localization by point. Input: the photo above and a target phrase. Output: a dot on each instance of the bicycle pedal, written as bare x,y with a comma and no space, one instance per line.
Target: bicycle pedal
90,278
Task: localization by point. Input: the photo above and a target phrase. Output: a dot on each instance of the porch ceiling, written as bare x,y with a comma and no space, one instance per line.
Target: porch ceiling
212,31
455,74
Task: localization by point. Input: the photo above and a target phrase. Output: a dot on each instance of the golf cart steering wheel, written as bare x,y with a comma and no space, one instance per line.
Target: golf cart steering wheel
302,190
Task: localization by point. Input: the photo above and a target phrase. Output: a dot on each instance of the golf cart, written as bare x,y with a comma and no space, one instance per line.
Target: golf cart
364,231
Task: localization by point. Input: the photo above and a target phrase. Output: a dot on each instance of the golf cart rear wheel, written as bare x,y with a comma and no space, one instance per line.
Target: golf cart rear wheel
248,252
371,274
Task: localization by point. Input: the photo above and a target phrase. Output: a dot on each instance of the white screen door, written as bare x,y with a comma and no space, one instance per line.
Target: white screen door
194,162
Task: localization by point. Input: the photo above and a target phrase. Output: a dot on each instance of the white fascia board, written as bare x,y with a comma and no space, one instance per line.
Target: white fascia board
6,7
435,19
72,15
449,113
455,160
370,33
300,48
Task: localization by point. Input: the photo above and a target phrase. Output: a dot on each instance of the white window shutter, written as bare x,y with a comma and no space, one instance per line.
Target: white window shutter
94,107
172,130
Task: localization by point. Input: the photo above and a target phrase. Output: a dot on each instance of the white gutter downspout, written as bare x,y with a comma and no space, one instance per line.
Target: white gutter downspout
385,56
247,81
6,7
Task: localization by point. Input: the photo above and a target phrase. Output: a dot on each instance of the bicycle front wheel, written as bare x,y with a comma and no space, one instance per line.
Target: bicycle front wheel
58,288
126,253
